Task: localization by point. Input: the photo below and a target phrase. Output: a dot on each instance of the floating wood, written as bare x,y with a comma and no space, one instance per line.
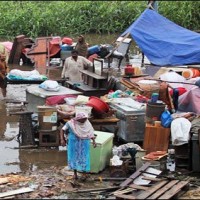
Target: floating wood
14,192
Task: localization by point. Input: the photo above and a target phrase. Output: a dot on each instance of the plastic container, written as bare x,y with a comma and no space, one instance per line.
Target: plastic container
190,73
66,47
154,111
129,70
93,49
67,40
98,105
83,109
101,155
154,97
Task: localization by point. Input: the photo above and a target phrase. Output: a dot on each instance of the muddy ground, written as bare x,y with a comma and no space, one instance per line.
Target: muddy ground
44,169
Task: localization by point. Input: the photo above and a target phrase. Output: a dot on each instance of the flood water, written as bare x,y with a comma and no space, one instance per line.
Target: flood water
13,159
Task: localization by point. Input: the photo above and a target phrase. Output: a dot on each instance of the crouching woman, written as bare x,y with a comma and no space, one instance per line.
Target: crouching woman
79,131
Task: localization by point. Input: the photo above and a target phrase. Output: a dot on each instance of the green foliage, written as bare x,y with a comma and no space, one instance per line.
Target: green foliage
69,18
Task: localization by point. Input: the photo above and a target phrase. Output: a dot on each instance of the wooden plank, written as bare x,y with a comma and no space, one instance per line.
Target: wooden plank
135,175
127,190
16,50
39,54
123,196
151,190
3,180
151,178
134,186
14,192
163,190
96,76
170,193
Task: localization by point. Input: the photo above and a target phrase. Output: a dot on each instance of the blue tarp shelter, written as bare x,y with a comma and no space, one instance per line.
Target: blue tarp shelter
163,42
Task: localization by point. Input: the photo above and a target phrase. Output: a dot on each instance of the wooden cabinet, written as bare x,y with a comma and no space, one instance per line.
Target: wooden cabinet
156,138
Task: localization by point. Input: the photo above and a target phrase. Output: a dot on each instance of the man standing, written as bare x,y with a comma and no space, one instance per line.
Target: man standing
73,65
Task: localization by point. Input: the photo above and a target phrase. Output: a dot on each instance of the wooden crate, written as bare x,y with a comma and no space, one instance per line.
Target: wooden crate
48,138
156,138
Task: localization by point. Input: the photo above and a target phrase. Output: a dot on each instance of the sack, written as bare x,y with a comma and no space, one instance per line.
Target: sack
50,85
166,119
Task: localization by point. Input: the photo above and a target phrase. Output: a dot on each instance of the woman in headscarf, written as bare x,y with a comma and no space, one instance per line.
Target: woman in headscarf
82,46
80,132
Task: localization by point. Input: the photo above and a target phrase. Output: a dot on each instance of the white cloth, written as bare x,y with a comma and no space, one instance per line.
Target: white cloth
83,130
180,129
173,76
71,68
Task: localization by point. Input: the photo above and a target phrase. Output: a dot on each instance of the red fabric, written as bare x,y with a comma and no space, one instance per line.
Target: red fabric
91,58
55,100
181,91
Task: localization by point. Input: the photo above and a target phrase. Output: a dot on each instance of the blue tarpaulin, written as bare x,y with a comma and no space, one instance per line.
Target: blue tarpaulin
163,42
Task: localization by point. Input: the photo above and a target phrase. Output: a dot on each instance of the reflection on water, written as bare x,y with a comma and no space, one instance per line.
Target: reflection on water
14,159
41,158
9,161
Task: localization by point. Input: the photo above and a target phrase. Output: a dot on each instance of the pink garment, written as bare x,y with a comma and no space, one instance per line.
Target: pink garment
82,130
189,101
8,45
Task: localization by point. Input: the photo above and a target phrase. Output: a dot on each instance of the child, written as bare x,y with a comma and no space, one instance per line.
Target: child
3,73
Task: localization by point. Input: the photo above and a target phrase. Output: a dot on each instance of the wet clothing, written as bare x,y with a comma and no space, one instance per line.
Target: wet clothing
71,68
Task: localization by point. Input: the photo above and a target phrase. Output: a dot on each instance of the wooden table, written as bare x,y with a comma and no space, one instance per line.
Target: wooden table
86,89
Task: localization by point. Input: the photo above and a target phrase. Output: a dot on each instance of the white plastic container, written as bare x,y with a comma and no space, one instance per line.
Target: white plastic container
83,109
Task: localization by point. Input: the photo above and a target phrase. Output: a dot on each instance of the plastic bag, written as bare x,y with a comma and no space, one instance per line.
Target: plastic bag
50,85
166,119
